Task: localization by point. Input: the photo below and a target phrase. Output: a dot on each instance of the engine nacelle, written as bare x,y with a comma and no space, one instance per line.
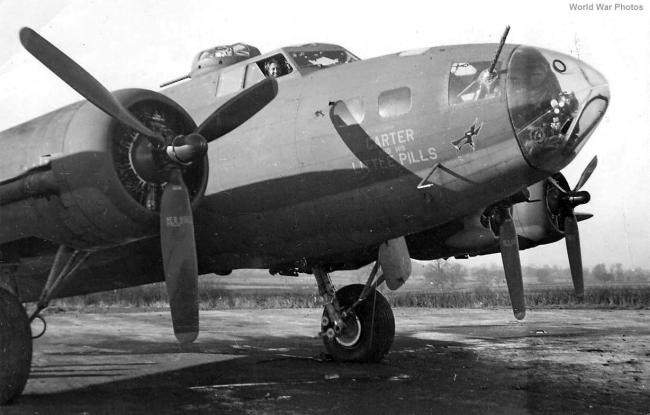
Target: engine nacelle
87,181
474,236
537,221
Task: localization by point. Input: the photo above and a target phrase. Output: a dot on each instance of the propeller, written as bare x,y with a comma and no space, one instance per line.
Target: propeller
81,81
562,204
179,258
509,246
177,241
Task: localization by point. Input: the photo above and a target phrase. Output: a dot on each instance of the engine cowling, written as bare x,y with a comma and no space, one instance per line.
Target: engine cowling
540,221
101,182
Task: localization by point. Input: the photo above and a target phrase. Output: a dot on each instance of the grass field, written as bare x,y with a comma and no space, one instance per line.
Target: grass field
549,297
303,295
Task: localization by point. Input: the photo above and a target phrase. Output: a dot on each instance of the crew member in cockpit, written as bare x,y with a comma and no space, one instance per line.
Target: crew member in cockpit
274,68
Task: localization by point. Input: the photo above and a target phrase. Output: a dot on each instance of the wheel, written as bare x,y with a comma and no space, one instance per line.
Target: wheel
15,347
369,329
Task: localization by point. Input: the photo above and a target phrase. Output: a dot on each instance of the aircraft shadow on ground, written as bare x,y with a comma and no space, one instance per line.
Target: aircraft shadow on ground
291,374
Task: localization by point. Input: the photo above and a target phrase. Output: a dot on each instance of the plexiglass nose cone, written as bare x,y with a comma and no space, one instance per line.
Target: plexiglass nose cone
555,102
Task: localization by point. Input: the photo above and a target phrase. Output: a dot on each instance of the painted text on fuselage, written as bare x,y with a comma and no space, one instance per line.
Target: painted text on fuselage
397,151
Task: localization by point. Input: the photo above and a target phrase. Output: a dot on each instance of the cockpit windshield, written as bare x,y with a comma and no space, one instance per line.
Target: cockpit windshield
320,59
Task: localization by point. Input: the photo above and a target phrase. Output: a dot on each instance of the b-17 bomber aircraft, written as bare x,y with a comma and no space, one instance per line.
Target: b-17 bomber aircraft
305,159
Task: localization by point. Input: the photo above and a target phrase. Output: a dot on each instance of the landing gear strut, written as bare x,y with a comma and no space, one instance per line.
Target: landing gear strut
66,262
15,347
357,324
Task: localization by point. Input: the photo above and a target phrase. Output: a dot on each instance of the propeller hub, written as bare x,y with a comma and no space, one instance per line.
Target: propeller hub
577,198
144,161
186,149
144,167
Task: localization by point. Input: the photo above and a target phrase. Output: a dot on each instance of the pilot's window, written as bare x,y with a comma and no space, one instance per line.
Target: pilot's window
350,111
395,102
253,75
275,66
230,81
470,82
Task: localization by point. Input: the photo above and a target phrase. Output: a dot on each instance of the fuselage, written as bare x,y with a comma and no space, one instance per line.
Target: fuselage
341,160
291,185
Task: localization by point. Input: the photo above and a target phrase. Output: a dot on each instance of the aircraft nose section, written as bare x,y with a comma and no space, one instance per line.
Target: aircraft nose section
555,102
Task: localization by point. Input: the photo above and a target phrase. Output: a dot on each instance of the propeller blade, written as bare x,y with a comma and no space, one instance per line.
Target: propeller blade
81,81
557,184
509,245
586,173
179,258
572,239
238,109
583,216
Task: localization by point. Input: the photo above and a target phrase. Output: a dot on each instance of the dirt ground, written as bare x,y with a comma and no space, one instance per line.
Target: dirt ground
271,361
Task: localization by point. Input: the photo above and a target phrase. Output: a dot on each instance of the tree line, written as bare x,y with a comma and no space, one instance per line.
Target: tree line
442,274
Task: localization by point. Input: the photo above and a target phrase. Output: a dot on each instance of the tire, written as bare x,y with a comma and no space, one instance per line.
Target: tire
15,347
370,329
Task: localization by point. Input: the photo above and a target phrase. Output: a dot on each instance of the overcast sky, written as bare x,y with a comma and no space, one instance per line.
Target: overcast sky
126,43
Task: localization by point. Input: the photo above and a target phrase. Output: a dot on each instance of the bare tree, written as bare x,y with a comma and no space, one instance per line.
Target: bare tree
444,275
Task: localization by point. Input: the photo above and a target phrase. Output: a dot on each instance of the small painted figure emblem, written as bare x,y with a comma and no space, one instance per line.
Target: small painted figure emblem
469,136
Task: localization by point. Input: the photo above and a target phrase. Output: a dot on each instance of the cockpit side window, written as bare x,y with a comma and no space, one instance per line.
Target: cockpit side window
275,66
230,81
471,81
253,74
